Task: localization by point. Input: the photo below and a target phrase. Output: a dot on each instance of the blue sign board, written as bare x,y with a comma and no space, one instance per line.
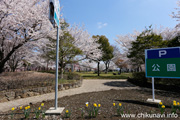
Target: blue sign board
163,53
163,62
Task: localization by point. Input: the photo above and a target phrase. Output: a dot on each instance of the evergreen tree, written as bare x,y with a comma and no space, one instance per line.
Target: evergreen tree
67,50
174,42
107,50
146,40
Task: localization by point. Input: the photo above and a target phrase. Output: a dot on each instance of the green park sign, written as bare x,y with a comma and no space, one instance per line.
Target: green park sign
163,63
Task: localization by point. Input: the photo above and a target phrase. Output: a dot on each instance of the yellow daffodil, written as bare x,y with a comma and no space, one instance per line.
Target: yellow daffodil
163,106
13,109
67,111
42,104
95,105
99,105
174,101
26,108
86,104
177,103
174,104
120,104
114,104
20,107
39,108
160,103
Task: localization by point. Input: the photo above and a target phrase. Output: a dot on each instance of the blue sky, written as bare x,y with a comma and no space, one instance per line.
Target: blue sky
118,17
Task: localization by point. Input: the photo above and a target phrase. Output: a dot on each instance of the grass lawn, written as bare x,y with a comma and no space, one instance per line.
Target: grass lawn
91,75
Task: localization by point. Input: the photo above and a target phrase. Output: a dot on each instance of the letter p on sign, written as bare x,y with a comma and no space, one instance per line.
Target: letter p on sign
162,52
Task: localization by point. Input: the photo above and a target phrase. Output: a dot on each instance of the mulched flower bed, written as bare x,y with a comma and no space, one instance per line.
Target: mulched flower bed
133,102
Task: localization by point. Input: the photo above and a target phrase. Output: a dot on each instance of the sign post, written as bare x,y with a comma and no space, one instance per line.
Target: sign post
57,60
55,7
56,18
153,88
162,63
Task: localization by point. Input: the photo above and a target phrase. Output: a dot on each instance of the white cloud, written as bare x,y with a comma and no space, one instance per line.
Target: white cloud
101,25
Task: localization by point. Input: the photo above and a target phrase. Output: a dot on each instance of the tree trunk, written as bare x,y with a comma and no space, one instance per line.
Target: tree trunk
140,68
13,69
61,73
2,63
72,68
98,68
47,66
119,70
1,69
61,70
14,66
106,68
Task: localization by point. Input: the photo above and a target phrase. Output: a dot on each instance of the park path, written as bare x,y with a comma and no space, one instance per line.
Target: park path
87,86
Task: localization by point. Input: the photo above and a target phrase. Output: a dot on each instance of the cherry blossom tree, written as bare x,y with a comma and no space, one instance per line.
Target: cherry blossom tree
124,41
86,43
87,63
16,59
176,14
166,32
119,59
22,22
76,45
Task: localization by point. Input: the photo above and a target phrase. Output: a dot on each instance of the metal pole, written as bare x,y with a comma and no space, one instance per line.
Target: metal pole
153,88
57,60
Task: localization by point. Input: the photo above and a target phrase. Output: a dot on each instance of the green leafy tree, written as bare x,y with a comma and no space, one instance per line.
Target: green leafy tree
146,40
107,50
67,50
174,42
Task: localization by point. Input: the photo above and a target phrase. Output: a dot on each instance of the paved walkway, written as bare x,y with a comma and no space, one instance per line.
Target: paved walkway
87,86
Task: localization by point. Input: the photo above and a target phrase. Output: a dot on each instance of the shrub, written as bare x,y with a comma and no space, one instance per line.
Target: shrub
97,72
139,78
72,76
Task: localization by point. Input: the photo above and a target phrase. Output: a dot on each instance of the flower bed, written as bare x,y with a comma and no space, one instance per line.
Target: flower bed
112,105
